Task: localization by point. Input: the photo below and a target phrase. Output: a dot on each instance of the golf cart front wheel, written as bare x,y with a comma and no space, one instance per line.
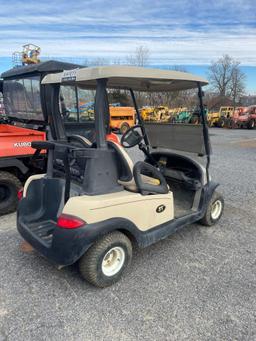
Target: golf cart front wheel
214,210
104,263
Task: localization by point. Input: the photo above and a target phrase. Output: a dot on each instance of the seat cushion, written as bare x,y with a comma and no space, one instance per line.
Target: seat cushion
131,185
126,165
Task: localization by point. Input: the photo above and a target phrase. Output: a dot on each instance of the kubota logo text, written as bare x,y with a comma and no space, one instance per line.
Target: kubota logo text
22,144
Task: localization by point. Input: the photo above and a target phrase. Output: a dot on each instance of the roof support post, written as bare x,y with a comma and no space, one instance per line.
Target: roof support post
101,110
140,120
205,130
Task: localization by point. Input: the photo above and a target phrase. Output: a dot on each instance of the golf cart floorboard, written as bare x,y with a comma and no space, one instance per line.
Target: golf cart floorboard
183,199
180,211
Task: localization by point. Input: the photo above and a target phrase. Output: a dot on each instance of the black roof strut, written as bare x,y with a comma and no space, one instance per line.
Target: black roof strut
205,130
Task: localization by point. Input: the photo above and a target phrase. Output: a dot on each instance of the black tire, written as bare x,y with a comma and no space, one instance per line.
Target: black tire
221,123
91,263
124,127
251,124
194,119
209,219
232,124
9,187
228,123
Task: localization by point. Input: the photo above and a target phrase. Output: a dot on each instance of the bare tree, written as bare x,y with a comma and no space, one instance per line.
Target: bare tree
226,78
98,62
237,86
140,57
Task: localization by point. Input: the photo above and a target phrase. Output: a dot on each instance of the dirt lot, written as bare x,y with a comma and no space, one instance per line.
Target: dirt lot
199,284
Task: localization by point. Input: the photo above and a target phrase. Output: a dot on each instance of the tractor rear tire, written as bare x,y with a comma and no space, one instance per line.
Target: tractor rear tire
221,123
214,210
251,124
106,260
194,120
9,187
124,127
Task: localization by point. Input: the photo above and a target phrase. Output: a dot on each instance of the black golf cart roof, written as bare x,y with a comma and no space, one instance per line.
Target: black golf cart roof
128,77
43,67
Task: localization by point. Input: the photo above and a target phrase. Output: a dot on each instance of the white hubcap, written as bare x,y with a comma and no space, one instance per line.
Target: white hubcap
216,209
113,261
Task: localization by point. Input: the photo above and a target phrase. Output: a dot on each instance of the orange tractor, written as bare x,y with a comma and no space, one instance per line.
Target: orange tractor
22,122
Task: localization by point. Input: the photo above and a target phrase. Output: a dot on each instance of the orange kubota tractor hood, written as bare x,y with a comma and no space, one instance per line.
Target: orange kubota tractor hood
16,141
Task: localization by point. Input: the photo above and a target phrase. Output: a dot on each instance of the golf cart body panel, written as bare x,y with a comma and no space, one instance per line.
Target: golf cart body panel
64,247
93,183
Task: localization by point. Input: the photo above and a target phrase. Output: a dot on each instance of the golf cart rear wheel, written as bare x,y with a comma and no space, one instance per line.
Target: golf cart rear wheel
214,210
9,187
124,127
104,263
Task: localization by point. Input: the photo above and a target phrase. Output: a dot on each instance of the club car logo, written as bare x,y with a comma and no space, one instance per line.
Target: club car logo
69,75
22,144
160,208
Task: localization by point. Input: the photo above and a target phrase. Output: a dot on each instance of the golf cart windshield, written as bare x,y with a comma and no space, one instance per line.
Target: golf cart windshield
175,129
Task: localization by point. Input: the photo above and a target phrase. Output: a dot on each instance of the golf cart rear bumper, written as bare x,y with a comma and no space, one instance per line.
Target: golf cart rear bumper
61,246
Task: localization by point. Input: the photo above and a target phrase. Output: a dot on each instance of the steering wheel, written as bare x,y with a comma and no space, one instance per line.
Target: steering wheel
132,136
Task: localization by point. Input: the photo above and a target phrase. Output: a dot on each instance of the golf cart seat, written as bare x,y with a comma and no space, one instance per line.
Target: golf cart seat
80,140
131,176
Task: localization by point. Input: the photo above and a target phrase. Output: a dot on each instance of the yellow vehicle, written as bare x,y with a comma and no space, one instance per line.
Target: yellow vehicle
147,113
213,118
157,114
29,55
121,118
218,119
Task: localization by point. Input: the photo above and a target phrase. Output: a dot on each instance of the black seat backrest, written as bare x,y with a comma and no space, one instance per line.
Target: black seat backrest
123,168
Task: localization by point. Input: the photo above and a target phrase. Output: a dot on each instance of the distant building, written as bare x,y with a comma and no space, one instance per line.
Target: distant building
246,101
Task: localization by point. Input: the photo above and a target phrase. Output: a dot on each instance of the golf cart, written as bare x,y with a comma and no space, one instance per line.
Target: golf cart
93,202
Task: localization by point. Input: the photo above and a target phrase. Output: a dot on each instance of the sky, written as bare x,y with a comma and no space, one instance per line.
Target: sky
186,32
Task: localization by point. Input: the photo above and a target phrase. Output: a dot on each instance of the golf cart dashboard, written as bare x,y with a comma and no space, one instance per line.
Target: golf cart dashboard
178,168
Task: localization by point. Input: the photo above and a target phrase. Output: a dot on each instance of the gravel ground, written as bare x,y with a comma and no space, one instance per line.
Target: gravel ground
199,284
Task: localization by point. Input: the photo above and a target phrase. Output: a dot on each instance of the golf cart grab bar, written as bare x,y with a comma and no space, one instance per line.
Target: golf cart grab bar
42,145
